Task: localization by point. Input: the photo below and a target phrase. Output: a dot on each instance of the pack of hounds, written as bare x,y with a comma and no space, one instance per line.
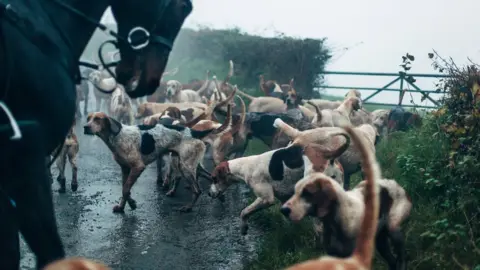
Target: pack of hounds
316,146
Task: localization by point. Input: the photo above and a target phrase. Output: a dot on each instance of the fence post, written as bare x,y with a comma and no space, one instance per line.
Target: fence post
402,91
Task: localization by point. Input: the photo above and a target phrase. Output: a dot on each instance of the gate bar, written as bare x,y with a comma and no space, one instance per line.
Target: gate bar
386,74
375,88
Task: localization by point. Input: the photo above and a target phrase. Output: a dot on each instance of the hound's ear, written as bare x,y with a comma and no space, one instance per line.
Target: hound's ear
356,104
299,100
115,126
377,136
275,166
323,195
290,156
221,170
377,139
89,117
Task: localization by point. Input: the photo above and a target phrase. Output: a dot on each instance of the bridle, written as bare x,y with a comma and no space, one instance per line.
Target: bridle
137,39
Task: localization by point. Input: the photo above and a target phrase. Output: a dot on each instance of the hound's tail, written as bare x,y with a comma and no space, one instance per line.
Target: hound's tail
317,110
291,132
364,249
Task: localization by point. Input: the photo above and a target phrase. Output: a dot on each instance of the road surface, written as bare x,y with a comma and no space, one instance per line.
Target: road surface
154,236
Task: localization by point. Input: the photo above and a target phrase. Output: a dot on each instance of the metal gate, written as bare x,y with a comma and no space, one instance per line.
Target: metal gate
408,79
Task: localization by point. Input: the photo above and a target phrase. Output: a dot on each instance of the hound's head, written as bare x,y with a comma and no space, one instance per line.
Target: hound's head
173,87
355,102
380,119
334,170
315,195
98,123
220,179
354,93
292,99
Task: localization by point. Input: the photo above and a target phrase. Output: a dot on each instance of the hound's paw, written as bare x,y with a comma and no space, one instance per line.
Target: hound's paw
74,187
244,229
277,123
118,209
132,203
62,190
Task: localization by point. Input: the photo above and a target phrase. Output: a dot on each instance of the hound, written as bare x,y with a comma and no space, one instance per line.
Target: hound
322,104
272,88
339,116
134,147
102,80
194,109
350,160
401,120
259,125
221,89
190,109
316,193
253,170
270,175
171,113
75,264
379,119
177,94
85,88
121,106
69,150
159,94
217,94
80,97
169,163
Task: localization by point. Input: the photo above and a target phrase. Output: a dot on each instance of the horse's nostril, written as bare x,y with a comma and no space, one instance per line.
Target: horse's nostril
285,211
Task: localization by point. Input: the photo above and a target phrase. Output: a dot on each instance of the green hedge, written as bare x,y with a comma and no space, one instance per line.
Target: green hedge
279,58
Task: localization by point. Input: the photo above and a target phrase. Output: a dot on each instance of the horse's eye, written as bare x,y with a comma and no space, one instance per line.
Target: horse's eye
334,176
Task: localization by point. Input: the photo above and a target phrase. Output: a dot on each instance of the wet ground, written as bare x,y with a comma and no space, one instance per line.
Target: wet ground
155,235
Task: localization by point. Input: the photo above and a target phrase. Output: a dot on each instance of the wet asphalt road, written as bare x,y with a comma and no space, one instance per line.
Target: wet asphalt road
155,235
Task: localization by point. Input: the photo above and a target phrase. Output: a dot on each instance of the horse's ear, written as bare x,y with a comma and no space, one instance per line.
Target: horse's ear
115,126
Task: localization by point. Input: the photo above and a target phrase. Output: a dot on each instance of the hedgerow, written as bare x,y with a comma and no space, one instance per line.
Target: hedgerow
278,58
437,164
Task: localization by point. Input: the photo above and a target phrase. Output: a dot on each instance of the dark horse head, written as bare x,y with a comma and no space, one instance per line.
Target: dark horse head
153,25
40,46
